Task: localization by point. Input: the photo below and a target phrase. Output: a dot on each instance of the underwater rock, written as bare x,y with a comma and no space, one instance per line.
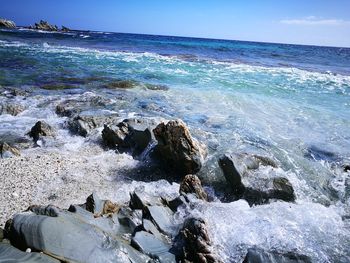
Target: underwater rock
176,149
10,108
44,25
130,135
9,253
7,23
317,154
239,171
121,84
156,87
256,255
193,243
8,151
41,128
192,185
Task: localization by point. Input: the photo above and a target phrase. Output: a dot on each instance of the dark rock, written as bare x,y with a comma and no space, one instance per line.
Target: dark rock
7,151
7,24
176,148
129,219
9,253
317,154
57,86
176,202
122,84
156,87
94,204
192,184
69,236
256,255
41,128
130,135
65,29
161,216
244,182
11,108
152,246
139,200
193,243
45,26
346,167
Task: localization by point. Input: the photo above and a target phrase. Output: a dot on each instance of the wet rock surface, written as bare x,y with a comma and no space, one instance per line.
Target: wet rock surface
11,108
7,150
256,255
192,185
177,149
41,129
244,180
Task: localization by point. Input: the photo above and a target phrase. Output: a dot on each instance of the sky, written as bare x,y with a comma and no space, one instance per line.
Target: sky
312,22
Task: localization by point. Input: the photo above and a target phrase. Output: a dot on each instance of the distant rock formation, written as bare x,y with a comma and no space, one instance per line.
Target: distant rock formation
44,25
7,23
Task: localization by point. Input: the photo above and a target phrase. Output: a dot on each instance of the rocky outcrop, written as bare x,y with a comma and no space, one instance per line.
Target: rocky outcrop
130,135
8,151
193,243
256,255
192,185
244,180
121,84
4,23
65,29
10,108
45,26
41,129
176,149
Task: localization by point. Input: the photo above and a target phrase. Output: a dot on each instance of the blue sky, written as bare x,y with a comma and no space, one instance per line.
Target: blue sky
318,22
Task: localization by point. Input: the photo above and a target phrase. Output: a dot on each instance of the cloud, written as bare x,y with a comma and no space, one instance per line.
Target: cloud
315,21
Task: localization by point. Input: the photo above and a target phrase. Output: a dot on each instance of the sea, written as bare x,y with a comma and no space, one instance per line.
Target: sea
288,102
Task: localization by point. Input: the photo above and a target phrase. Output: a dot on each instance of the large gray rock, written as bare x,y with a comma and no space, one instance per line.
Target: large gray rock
11,108
176,149
256,255
7,23
242,175
192,185
9,254
162,217
70,236
40,129
130,135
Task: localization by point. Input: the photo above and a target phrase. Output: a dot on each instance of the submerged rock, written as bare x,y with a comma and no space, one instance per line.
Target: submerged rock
176,149
122,84
7,23
44,25
240,171
192,185
130,135
156,87
11,108
256,255
193,243
40,129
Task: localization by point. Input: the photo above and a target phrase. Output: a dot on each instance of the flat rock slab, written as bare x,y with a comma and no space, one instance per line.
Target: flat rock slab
256,255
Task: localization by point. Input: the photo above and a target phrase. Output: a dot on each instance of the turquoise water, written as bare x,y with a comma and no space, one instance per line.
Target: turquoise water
284,101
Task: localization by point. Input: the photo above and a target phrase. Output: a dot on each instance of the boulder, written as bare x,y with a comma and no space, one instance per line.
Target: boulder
8,151
130,135
11,108
40,129
256,255
192,185
45,26
242,175
193,243
176,149
7,24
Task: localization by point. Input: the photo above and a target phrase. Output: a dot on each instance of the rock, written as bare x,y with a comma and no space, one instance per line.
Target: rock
176,202
10,108
44,25
156,87
161,216
130,135
9,253
240,171
346,167
176,149
256,255
65,29
49,230
15,140
122,84
192,184
100,207
317,154
7,24
41,128
58,86
139,200
152,246
7,151
193,243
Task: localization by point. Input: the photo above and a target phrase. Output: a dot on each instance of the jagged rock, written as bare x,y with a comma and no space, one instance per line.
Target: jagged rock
65,29
240,173
139,200
7,23
176,202
69,236
192,185
15,140
161,216
256,255
176,148
44,25
130,135
9,253
10,108
41,128
193,243
152,246
7,151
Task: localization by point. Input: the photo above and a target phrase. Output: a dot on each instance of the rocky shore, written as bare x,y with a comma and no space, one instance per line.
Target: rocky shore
41,25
